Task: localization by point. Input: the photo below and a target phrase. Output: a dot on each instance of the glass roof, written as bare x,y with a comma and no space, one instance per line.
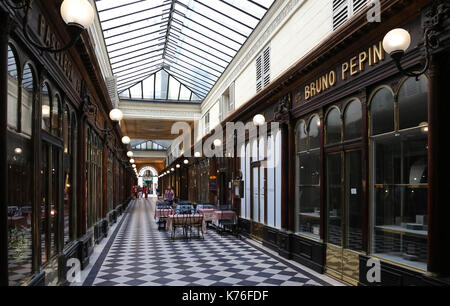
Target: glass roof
192,40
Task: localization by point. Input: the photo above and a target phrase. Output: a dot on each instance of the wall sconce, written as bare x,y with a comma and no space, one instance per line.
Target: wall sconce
397,41
259,120
77,14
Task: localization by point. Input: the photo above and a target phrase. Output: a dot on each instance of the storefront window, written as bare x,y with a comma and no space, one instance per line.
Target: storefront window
28,92
13,91
56,116
46,111
333,126
308,178
353,120
20,181
69,134
382,112
400,180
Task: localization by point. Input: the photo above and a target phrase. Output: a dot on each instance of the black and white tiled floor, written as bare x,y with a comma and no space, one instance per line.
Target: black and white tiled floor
140,255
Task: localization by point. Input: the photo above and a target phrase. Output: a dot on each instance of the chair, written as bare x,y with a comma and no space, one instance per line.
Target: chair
229,225
180,221
196,222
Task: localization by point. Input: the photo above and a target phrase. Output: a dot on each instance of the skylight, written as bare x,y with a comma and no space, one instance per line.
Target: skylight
192,40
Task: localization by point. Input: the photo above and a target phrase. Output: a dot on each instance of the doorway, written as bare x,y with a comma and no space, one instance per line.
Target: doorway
344,214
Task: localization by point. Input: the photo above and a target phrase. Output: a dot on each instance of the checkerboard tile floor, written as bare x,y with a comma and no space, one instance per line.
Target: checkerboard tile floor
141,255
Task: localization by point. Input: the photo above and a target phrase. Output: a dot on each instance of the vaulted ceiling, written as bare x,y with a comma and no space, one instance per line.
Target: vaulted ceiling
192,40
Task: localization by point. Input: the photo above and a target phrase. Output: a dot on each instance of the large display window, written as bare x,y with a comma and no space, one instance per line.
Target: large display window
21,97
399,179
308,177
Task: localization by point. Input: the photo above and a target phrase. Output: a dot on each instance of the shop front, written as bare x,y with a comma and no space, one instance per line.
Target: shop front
54,151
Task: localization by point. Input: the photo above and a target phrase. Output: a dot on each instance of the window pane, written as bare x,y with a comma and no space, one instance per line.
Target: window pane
174,89
13,90
400,198
353,120
56,116
149,87
334,199
413,103
20,206
308,194
314,133
136,91
301,137
185,94
333,126
45,100
27,100
382,112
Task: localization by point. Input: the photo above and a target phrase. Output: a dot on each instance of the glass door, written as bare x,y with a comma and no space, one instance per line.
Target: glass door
344,213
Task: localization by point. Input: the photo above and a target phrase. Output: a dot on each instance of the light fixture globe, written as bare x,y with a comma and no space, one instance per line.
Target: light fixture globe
198,154
178,166
77,12
130,154
259,120
396,41
132,161
45,111
186,161
173,170
134,166
116,115
217,142
126,140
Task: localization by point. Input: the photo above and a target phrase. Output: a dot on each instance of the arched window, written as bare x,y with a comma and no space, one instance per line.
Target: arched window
314,133
302,137
28,89
56,116
13,90
308,178
333,126
46,107
20,166
399,173
353,120
382,112
412,109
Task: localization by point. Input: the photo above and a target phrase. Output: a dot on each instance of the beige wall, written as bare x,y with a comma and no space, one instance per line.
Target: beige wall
292,28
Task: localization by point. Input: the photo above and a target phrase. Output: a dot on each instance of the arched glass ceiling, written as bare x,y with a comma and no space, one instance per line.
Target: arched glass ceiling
160,86
194,40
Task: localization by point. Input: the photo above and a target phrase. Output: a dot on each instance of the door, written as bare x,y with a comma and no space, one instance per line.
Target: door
344,214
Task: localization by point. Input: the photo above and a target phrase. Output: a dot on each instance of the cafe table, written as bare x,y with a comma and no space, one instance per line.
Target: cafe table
208,214
189,219
223,215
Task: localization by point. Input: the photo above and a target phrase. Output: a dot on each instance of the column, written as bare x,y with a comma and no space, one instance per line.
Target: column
438,168
4,21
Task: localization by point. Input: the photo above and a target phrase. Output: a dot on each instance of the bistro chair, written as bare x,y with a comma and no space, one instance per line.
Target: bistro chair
196,222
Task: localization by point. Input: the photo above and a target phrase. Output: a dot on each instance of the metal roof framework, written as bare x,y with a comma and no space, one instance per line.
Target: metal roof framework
191,40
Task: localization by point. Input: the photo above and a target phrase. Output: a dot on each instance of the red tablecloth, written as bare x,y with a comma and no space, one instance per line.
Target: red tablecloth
163,213
191,219
207,213
223,215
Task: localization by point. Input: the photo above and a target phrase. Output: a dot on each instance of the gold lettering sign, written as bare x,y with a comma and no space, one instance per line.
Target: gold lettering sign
350,68
50,40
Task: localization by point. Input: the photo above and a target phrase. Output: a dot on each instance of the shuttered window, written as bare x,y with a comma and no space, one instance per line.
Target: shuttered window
344,9
226,102
263,69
